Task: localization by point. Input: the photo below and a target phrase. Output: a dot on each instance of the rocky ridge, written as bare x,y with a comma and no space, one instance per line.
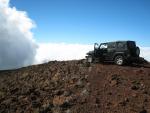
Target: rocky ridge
75,87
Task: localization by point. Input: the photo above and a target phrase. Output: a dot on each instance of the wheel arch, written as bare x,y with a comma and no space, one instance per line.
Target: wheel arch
118,54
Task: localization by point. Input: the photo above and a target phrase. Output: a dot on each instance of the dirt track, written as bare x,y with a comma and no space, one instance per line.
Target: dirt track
73,87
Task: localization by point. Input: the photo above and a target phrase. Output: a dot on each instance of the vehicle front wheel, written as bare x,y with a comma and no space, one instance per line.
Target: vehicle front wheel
119,60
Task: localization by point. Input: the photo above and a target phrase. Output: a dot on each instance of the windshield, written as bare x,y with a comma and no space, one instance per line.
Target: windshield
104,46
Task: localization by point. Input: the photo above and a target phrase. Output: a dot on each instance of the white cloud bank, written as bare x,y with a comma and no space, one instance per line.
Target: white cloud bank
145,53
17,46
61,51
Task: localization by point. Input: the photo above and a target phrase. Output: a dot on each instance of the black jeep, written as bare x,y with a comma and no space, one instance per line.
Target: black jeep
119,52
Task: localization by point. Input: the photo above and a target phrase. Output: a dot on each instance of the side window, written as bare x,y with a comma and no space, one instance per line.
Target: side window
103,46
121,45
111,45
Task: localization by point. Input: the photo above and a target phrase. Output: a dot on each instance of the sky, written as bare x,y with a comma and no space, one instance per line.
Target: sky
38,31
88,21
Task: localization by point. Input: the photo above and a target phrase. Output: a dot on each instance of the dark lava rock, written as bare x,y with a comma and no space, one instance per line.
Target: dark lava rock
143,111
135,87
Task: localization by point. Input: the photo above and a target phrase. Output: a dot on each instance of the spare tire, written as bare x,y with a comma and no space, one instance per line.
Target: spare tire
137,51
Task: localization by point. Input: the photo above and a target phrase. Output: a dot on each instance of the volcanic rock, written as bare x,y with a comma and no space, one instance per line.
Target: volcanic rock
75,87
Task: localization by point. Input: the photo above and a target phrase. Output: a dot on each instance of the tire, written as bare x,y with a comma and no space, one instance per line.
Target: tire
89,59
119,60
137,51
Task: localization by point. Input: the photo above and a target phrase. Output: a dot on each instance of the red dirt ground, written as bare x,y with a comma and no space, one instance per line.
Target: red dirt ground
75,87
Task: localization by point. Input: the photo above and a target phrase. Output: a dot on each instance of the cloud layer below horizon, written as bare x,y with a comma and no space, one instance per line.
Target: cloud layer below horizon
61,51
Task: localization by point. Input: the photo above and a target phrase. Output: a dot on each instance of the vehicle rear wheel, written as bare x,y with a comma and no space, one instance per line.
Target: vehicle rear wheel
119,60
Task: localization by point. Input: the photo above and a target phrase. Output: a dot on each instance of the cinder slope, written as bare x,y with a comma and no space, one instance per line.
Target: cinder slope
73,87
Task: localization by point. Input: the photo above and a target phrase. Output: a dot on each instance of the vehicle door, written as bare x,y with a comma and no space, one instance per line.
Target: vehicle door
111,50
103,50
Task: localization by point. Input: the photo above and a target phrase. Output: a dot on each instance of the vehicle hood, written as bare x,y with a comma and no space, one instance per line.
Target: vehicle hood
90,53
